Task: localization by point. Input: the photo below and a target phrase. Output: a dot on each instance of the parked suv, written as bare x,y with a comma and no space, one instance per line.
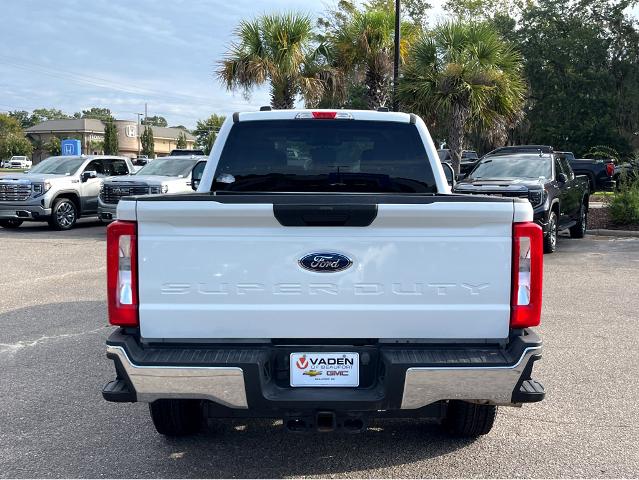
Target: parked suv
58,190
164,175
559,197
19,161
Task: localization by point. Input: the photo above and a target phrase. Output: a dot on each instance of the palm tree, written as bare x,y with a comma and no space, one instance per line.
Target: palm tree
362,48
465,73
278,50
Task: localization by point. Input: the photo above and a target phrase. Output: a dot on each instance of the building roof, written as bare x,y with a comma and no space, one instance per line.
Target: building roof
168,132
97,126
68,125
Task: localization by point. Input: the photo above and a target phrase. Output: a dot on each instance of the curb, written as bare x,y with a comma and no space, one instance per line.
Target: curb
613,233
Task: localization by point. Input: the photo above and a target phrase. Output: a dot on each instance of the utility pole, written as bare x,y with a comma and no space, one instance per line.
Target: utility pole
139,114
396,59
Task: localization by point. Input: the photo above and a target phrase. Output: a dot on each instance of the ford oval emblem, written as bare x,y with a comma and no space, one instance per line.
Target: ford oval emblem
325,262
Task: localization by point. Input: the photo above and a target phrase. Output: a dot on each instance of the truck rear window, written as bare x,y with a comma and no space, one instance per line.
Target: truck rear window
324,156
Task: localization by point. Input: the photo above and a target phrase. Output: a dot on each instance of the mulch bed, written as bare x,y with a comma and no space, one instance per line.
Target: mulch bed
600,218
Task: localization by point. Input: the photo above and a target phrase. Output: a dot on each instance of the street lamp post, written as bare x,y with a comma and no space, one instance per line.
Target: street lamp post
396,59
139,114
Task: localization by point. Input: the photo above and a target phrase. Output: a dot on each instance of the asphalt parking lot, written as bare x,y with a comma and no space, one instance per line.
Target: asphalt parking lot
54,423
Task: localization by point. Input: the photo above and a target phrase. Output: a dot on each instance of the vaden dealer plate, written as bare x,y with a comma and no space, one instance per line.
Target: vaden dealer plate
325,369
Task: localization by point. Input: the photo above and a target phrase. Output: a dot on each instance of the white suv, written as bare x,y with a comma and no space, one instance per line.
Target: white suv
19,161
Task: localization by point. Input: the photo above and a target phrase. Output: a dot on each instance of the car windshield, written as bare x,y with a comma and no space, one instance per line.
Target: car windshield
526,166
306,155
168,167
58,166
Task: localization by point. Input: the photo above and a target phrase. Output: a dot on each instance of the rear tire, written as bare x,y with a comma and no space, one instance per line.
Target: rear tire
469,420
579,229
550,239
176,418
10,223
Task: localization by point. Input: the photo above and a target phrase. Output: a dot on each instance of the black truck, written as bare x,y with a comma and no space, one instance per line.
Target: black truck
559,198
600,172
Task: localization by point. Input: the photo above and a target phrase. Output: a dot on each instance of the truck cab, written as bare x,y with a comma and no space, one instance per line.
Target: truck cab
323,274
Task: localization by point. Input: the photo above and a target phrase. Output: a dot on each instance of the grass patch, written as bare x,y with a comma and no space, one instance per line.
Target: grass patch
11,170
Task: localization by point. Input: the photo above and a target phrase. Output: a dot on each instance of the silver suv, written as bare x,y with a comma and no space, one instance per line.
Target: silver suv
58,190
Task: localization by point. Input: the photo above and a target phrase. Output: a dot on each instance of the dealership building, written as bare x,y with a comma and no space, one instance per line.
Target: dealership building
90,132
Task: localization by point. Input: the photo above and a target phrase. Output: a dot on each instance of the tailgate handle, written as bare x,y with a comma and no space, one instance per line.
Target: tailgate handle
325,215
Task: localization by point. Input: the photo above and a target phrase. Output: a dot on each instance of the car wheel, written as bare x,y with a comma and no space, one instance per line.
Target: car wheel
10,223
469,420
64,214
176,418
550,239
579,229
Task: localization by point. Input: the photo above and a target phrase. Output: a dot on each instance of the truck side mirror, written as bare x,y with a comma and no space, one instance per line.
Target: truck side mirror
562,178
89,174
450,173
195,183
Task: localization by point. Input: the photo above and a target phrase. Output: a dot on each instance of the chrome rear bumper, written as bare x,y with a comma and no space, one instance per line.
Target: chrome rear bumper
223,385
495,385
393,379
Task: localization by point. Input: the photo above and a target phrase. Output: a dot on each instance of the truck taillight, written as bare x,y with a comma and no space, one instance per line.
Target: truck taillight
122,274
610,169
528,271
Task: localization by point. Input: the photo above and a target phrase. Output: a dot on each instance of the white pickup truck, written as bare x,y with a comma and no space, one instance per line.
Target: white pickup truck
323,274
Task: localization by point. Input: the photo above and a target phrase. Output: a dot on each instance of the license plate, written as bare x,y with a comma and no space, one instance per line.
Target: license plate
325,369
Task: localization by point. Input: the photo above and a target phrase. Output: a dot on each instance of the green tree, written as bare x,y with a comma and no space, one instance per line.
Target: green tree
466,74
413,10
206,131
148,142
155,121
111,146
53,146
181,140
359,44
23,117
277,50
14,144
482,9
98,113
8,124
96,146
582,66
40,115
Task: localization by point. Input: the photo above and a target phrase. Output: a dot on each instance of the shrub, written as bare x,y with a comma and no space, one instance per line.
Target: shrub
624,205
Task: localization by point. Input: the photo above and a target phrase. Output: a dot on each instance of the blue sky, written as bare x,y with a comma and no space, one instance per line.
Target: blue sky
74,54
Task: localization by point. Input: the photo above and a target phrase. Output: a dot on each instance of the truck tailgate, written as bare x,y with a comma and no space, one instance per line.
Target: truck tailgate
210,270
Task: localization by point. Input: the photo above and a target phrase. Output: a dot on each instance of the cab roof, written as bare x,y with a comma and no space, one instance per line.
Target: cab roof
324,114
